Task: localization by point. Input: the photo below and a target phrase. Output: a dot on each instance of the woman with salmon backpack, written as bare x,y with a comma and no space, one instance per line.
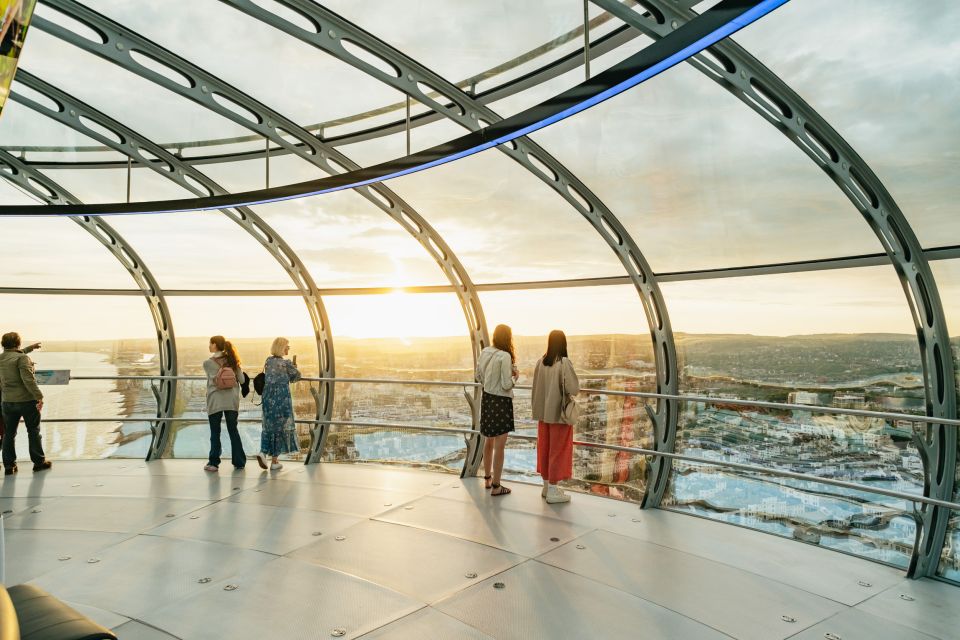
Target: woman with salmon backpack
223,401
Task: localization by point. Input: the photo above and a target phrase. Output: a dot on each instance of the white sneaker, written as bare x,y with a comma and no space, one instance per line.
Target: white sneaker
556,495
276,466
262,460
543,492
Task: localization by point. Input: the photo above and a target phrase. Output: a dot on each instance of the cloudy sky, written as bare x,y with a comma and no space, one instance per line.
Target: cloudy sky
699,180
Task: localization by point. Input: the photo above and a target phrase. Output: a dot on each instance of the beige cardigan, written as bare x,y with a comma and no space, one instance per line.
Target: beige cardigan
547,400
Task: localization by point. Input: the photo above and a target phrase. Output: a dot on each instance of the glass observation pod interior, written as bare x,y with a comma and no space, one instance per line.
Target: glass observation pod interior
756,266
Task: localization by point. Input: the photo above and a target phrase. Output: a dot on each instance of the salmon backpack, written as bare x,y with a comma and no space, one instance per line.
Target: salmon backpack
226,377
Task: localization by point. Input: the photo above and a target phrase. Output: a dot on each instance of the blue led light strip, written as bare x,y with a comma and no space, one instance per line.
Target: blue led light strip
719,22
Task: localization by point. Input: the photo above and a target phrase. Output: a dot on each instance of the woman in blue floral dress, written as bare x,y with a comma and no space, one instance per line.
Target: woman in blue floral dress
279,429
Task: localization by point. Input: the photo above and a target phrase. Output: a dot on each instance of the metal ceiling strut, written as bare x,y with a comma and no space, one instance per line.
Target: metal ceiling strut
76,114
17,172
211,92
736,70
343,39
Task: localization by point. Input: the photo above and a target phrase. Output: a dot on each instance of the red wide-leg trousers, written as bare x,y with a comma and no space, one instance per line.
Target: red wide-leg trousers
554,451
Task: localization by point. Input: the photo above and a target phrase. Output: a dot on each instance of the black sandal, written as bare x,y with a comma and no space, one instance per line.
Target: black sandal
500,490
486,481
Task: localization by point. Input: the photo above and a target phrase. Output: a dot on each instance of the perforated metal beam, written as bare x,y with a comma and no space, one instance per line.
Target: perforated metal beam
76,114
203,88
598,46
343,40
41,186
736,70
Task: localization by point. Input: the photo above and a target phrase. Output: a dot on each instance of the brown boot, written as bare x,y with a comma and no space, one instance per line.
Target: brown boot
43,466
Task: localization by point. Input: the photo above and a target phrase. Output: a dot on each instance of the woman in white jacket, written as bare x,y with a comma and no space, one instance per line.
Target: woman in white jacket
554,384
497,372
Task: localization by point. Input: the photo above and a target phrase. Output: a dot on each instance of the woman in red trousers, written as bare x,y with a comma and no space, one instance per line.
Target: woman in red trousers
554,384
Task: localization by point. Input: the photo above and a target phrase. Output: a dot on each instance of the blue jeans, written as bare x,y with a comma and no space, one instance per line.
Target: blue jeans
12,412
237,456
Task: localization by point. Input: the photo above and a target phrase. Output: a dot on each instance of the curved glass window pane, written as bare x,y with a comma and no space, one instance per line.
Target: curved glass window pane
251,324
298,80
24,131
147,108
611,351
110,185
406,337
346,241
670,158
88,345
907,130
458,40
202,250
244,175
505,224
839,338
56,252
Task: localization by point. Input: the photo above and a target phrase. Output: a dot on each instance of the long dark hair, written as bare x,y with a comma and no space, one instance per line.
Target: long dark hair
503,340
556,348
229,351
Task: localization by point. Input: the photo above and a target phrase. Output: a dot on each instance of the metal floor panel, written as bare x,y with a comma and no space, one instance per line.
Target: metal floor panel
353,501
741,604
85,513
592,511
276,530
134,630
857,625
426,623
539,601
146,572
514,531
46,484
104,618
30,554
12,506
373,476
199,486
821,571
284,599
422,564
927,606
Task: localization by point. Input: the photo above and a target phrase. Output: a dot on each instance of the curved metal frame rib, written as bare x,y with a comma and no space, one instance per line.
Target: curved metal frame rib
49,191
736,70
421,84
118,42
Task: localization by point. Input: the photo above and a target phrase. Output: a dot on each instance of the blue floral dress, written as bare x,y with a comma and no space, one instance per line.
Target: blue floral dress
279,430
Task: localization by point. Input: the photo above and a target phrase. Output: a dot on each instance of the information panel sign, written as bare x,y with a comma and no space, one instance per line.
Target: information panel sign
14,19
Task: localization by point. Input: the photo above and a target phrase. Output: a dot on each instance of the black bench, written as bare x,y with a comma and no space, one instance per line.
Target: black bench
30,613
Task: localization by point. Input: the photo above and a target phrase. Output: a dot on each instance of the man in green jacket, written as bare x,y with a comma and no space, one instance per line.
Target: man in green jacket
22,398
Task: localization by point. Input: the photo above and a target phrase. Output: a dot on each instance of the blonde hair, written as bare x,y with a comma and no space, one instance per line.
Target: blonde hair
279,344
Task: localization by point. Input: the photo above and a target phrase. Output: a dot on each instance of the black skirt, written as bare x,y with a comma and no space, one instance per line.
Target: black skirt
496,415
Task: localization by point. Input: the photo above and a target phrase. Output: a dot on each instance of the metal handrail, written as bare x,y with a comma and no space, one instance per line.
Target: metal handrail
650,395
432,383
